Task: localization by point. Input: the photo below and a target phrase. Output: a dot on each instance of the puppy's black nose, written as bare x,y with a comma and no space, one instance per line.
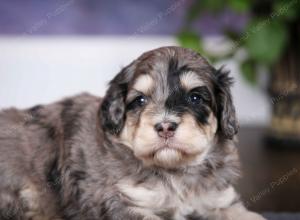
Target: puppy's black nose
166,129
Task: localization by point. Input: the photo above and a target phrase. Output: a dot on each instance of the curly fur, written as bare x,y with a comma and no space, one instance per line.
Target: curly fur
66,161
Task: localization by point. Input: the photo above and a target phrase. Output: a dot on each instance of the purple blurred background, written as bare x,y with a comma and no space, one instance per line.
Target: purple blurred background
106,17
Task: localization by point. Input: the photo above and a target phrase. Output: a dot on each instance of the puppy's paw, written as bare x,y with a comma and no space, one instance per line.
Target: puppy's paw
241,214
252,216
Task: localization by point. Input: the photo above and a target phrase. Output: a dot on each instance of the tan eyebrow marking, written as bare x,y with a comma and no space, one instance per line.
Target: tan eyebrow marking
144,84
190,80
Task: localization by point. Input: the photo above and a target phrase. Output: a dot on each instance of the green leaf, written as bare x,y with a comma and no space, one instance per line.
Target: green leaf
214,5
288,10
190,39
249,71
265,41
239,5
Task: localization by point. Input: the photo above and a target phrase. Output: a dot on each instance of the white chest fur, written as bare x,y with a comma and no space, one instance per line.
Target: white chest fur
175,197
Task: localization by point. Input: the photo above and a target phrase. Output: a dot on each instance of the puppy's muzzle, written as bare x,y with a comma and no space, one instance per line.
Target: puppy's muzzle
166,129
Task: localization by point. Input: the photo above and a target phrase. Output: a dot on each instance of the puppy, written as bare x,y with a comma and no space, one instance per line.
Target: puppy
158,146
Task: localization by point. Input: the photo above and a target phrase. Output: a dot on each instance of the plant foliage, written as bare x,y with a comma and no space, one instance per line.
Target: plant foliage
264,38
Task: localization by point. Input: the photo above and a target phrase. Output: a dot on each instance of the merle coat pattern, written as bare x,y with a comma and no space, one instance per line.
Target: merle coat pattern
66,160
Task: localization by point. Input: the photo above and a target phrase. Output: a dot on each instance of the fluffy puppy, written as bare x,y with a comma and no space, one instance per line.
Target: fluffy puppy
158,146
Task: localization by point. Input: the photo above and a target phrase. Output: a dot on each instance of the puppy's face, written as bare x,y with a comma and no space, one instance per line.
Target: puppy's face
169,107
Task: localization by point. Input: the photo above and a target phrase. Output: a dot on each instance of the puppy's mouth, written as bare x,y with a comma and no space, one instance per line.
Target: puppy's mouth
170,153
169,145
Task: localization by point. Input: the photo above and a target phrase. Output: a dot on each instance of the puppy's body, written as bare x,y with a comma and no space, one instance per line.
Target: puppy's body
81,158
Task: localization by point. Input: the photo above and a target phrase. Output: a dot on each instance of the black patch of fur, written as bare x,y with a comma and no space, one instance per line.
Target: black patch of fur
178,102
12,210
51,132
68,103
228,125
166,215
34,111
69,118
112,110
115,208
54,176
79,174
194,216
36,117
173,66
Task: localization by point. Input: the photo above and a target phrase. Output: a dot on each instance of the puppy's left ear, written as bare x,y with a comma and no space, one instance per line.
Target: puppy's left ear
228,125
112,110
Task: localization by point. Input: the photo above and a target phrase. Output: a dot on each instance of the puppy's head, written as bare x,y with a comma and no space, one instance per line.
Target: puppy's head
169,107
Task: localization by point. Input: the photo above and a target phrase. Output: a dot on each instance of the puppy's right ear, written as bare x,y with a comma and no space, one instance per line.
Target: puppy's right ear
112,110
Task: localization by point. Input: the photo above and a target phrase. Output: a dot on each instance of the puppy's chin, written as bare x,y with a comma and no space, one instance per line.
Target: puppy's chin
168,157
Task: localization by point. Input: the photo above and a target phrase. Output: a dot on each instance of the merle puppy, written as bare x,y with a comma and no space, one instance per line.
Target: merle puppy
158,146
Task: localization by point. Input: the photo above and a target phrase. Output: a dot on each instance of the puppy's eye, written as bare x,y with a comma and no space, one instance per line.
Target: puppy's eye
195,99
139,101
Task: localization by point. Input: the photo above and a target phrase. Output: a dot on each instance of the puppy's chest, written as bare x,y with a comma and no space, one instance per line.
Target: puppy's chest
173,198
